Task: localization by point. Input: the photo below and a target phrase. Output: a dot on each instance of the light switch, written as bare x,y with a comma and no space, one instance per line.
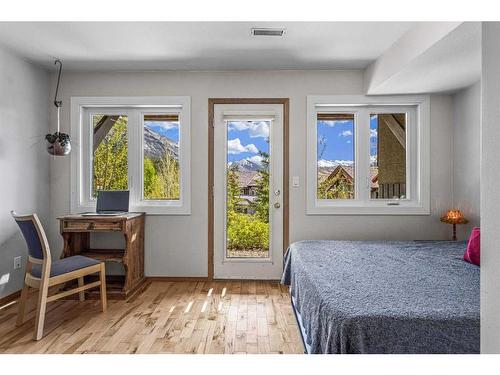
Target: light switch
295,181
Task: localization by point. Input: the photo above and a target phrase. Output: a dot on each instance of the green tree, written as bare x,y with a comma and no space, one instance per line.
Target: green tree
110,164
248,231
261,204
152,182
162,178
233,190
244,231
169,175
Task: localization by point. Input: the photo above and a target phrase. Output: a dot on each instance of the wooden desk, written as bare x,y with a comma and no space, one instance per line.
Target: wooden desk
76,230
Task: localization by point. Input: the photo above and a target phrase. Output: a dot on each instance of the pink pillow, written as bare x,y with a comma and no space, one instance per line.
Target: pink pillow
472,254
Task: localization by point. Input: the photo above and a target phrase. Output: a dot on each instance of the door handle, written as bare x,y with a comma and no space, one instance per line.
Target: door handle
277,205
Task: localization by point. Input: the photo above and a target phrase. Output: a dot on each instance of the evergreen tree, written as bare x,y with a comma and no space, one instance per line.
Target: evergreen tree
261,203
233,190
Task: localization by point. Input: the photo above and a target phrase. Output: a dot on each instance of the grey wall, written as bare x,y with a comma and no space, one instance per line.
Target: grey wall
490,190
466,156
177,245
24,164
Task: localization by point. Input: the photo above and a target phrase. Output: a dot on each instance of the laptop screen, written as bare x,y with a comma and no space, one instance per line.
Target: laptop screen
112,200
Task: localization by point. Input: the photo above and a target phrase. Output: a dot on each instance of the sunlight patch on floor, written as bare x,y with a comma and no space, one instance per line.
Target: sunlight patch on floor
188,308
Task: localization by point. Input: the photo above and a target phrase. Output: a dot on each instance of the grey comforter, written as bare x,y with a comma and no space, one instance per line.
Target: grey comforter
385,297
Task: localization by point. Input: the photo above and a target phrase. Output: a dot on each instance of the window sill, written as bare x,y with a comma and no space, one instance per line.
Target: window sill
368,210
149,210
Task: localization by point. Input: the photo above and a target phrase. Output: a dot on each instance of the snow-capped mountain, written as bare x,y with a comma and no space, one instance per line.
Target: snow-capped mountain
322,163
246,165
155,145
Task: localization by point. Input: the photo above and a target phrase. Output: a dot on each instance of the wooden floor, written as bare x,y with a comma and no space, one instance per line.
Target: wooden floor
168,317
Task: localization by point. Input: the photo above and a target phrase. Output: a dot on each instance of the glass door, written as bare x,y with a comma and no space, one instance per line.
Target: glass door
248,188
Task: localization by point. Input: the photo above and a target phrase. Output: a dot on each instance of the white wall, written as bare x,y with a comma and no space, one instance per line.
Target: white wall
24,163
490,190
177,245
466,156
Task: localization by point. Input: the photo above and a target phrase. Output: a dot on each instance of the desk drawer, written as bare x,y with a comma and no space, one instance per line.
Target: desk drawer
90,226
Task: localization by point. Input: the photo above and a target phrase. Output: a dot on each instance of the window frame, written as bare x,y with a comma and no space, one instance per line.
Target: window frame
417,157
82,108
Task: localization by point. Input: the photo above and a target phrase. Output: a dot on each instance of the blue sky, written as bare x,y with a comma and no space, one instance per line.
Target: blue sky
339,138
246,138
336,140
169,129
373,135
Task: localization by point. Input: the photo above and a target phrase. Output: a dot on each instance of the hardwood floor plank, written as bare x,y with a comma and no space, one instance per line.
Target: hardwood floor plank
166,317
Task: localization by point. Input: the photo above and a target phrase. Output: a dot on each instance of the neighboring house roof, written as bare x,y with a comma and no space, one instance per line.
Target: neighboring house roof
248,179
348,172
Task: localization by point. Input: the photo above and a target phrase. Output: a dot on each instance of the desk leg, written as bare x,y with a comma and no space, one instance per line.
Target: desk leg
133,260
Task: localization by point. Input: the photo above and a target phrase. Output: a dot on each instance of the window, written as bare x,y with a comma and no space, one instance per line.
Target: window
367,155
139,144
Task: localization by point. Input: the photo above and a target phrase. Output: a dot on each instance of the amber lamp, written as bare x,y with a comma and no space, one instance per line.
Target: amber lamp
454,217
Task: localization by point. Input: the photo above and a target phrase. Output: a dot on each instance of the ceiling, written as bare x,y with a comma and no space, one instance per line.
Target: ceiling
92,46
450,64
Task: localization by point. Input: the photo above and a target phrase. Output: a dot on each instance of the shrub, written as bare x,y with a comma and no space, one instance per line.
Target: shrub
246,232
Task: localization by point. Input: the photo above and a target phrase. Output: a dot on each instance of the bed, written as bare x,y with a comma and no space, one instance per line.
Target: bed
384,297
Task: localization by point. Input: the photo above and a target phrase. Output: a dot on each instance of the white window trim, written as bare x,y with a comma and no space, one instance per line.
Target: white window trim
131,106
418,159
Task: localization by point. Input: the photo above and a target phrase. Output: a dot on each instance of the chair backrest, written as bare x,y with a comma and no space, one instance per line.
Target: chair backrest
34,235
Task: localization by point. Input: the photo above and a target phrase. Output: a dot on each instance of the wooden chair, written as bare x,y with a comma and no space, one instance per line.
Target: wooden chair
42,273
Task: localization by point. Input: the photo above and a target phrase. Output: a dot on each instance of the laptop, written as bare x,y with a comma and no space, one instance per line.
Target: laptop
111,203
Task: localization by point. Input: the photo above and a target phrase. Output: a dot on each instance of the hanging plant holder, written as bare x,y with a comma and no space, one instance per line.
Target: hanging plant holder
58,143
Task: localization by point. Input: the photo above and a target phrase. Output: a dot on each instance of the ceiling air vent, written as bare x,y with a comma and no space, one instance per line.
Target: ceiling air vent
267,31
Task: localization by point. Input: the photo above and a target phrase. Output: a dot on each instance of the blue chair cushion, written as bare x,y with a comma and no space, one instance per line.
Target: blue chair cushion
31,236
65,265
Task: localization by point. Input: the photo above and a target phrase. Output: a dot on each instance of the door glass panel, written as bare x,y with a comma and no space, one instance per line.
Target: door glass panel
161,157
335,156
247,189
110,153
388,156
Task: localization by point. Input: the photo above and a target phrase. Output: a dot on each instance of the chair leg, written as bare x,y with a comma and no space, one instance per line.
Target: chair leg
22,305
40,311
80,284
102,278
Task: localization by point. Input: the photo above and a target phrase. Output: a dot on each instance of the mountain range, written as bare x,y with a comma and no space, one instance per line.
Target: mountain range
322,163
156,145
246,165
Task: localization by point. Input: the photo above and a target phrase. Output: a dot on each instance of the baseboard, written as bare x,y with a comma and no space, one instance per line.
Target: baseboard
186,279
11,297
174,278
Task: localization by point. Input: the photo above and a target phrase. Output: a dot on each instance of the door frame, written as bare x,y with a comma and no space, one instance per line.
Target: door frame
285,102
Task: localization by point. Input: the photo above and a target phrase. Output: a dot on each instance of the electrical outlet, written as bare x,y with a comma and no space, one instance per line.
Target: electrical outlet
17,262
